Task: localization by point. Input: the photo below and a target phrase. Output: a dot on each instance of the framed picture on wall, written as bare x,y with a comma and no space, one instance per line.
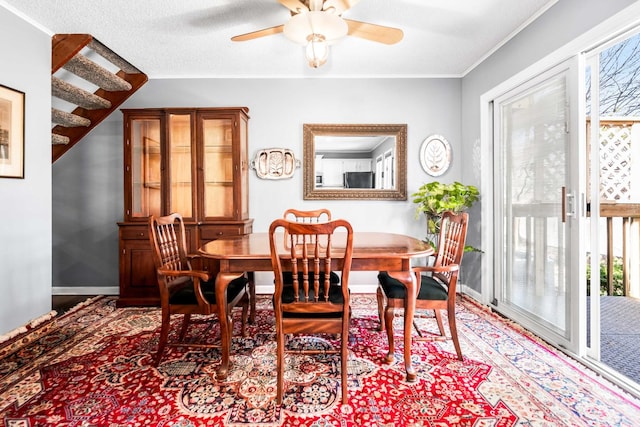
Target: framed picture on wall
11,133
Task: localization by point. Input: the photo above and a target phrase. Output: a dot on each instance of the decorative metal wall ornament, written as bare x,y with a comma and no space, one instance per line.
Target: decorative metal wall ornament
435,155
275,163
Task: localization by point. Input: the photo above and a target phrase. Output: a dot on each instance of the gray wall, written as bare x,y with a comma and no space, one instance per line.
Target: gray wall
562,23
25,204
87,203
88,192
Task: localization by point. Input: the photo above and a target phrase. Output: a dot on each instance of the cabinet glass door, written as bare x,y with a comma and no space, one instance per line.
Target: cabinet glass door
180,161
145,168
217,136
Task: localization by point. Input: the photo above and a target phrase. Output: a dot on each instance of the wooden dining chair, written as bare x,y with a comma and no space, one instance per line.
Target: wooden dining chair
437,289
184,290
310,217
311,305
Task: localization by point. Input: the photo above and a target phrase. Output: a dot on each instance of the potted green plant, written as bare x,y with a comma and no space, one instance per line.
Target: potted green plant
434,198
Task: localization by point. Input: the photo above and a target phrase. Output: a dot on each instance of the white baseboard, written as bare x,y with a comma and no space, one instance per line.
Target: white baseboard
472,293
85,290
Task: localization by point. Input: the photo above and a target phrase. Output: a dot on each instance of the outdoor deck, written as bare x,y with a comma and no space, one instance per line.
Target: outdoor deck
620,335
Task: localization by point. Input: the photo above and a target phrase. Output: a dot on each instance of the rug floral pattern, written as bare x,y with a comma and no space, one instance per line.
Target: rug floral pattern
93,367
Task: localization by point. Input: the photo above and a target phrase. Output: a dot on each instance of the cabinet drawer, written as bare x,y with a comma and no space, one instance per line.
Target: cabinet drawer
137,233
216,232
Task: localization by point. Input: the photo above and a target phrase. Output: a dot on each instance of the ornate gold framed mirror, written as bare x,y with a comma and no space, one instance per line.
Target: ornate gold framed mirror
355,161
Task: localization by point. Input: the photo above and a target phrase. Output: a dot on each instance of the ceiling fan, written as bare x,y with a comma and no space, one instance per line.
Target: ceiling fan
317,24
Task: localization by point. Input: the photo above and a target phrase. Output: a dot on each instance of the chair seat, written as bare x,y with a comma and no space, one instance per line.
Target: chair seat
430,288
335,296
186,295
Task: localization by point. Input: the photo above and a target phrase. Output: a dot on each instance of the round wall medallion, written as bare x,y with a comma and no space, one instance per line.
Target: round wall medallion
435,155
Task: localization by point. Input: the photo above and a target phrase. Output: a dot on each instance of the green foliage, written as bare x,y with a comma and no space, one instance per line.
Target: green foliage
618,285
434,198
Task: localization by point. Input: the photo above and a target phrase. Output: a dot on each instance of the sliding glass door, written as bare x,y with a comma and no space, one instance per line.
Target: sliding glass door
612,120
536,213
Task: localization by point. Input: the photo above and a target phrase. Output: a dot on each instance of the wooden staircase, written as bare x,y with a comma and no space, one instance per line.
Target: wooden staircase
71,52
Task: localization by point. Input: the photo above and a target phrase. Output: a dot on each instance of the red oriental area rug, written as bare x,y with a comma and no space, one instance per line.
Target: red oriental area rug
93,367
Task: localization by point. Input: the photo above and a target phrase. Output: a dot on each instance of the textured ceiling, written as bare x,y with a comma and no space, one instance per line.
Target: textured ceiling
191,38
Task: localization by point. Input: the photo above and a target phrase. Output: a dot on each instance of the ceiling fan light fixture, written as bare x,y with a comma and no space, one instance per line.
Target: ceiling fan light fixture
316,30
303,25
317,50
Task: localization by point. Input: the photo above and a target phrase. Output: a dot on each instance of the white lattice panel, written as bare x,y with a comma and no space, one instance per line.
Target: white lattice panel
615,162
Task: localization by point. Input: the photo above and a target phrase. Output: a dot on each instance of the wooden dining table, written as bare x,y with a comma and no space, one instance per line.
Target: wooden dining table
372,251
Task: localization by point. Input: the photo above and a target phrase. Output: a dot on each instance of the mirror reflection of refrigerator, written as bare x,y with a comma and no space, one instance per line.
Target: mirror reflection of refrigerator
358,180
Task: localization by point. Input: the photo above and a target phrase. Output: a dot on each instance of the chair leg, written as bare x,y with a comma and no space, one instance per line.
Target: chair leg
245,312
280,367
344,359
230,321
451,313
388,320
418,331
164,336
380,298
185,325
252,296
440,325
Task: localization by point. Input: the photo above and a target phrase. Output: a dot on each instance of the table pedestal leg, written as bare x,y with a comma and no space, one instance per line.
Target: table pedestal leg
222,281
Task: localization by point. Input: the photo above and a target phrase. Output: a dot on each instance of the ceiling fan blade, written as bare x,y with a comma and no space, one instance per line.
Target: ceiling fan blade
257,34
374,32
295,6
339,6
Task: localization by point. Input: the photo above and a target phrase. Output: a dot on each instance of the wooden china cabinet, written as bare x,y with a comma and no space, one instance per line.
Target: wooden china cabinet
188,160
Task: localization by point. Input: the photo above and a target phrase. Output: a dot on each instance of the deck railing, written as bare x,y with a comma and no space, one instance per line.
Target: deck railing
623,222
